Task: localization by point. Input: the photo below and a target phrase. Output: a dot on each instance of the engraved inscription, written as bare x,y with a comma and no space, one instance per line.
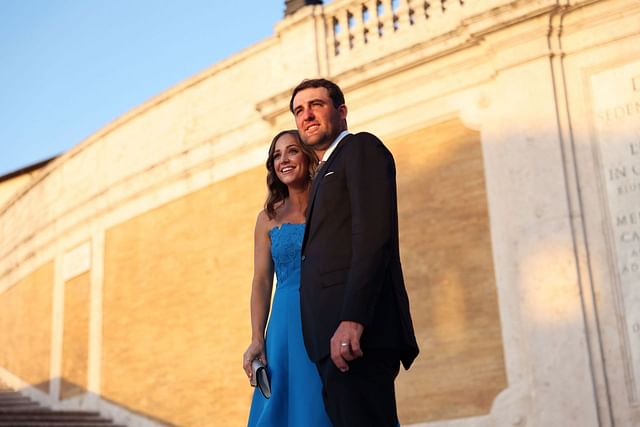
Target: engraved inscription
616,107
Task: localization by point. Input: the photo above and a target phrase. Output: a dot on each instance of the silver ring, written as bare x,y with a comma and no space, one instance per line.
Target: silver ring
344,344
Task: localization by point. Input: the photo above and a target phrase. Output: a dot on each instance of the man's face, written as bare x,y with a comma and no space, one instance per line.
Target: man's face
318,121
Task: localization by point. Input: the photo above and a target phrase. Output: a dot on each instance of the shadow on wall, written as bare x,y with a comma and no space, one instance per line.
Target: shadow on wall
445,245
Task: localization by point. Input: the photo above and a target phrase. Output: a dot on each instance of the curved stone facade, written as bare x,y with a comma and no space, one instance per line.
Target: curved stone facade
126,263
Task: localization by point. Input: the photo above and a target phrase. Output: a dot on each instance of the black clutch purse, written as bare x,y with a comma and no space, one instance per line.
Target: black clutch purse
260,378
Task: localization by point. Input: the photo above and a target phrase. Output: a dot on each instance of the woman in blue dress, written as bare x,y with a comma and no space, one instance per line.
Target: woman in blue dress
296,388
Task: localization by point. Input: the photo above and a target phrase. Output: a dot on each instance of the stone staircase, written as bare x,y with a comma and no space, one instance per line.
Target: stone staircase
17,410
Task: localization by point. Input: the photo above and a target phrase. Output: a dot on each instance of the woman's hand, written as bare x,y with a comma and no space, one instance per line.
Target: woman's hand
255,351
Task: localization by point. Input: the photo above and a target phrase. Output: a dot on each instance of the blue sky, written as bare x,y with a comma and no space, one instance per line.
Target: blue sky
70,67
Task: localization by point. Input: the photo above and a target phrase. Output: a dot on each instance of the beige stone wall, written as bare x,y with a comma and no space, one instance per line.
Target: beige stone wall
447,259
75,342
9,187
522,315
13,182
176,297
25,327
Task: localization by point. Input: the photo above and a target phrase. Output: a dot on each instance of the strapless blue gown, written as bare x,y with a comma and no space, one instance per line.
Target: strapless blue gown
296,389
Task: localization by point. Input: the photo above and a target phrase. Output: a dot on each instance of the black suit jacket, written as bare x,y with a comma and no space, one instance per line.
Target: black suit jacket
350,257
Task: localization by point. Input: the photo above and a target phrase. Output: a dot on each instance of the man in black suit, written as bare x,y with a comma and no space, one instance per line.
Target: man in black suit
355,311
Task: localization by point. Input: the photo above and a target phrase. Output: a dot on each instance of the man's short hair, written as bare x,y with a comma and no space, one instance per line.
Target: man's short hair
335,93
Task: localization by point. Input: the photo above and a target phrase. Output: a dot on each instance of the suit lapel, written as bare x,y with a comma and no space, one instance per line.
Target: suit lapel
317,181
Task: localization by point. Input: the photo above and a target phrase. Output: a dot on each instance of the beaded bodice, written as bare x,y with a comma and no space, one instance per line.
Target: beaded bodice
286,243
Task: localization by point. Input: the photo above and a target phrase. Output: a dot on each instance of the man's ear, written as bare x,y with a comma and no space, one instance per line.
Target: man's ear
342,110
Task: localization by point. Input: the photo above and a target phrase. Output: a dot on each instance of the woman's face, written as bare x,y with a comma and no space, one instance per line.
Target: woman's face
289,161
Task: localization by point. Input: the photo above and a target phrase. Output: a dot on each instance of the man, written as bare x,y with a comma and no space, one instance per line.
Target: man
355,311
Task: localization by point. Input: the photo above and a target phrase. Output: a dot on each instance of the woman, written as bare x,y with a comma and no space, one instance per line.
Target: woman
296,389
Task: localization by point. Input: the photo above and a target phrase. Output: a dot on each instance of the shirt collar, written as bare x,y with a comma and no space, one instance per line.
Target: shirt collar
334,144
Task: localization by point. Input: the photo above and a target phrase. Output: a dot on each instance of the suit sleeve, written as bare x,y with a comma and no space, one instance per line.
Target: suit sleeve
370,178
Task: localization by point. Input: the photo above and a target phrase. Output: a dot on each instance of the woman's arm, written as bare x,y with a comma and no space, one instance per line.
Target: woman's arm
260,292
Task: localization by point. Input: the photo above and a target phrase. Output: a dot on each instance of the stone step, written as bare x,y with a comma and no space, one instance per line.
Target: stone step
13,399
41,411
14,410
10,402
55,416
21,405
10,423
10,395
17,410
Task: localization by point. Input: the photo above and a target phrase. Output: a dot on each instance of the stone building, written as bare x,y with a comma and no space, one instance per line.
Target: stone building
125,263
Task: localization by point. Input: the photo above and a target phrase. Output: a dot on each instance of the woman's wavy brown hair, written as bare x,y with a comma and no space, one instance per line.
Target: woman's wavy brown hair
277,190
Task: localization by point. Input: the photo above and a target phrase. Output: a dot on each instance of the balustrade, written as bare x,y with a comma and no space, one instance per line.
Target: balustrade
357,24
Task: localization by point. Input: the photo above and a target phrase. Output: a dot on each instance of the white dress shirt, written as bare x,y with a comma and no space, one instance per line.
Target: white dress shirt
333,145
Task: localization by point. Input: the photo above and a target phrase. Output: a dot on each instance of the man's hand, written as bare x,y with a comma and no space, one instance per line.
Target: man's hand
345,344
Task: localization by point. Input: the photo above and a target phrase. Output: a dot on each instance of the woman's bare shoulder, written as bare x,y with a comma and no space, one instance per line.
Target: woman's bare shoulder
264,223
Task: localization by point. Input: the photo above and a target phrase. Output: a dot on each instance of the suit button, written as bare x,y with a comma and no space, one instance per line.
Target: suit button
303,257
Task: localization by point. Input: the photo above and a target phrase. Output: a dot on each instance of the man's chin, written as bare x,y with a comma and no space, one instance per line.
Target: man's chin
316,143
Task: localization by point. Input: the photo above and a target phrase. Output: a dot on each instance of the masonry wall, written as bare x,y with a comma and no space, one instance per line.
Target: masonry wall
176,297
75,341
177,281
448,266
125,264
25,327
